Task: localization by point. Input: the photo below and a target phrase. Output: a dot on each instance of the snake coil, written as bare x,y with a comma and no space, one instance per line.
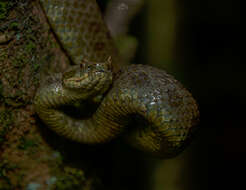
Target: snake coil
166,111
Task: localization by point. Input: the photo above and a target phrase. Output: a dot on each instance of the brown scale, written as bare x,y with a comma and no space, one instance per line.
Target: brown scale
163,112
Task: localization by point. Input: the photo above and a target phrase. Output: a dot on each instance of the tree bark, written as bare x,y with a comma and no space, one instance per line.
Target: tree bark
32,156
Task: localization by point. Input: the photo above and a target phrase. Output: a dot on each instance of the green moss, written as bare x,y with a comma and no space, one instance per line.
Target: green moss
3,56
3,9
70,178
27,143
30,46
5,168
1,89
5,122
14,25
19,60
36,67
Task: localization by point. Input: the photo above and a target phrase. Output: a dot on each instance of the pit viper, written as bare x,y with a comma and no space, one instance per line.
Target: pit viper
164,113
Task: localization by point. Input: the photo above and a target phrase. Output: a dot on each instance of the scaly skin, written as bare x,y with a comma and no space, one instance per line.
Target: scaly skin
81,30
166,111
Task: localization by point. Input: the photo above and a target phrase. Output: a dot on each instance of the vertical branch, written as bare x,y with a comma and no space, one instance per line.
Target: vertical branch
161,30
119,14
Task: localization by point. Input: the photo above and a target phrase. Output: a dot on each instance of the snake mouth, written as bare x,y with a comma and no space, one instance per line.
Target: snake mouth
77,79
87,75
86,81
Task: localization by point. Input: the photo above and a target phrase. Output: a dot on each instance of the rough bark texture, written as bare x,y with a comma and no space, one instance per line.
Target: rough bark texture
31,156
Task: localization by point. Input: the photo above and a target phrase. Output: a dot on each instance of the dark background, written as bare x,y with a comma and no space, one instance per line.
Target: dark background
207,61
217,76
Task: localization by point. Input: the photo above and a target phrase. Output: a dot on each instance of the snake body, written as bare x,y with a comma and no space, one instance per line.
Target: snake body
167,113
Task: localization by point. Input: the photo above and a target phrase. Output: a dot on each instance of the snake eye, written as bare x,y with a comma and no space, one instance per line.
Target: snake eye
89,68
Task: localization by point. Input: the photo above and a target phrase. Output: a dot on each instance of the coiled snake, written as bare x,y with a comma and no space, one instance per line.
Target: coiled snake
167,112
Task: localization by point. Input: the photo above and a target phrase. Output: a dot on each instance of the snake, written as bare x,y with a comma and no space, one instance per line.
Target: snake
144,105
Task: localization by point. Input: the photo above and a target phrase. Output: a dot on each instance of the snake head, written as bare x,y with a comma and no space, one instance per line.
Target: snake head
89,76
